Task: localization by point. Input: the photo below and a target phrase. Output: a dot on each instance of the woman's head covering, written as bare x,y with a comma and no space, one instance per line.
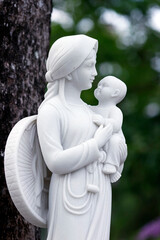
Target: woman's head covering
67,54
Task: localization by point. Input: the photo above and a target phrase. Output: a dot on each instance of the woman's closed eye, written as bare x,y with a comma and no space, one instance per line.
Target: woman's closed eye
90,64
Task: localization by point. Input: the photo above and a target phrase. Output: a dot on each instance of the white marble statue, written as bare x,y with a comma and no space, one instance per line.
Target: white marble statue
109,93
64,146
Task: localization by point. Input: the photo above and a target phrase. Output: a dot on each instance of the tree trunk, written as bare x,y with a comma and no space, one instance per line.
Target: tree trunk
24,43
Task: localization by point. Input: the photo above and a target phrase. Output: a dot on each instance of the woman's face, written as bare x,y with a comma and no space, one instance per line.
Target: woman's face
84,76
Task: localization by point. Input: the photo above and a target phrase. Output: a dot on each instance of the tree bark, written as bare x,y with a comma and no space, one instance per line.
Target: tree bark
24,44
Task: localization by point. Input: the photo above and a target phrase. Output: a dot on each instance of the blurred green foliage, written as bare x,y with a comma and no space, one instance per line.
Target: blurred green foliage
136,197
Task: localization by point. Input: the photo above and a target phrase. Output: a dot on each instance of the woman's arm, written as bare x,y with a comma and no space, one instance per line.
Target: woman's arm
57,159
123,155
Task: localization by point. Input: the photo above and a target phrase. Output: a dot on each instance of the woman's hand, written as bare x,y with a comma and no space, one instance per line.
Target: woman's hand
123,151
98,119
103,134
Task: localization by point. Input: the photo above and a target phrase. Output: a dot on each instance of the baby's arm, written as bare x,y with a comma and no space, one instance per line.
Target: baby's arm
97,116
116,119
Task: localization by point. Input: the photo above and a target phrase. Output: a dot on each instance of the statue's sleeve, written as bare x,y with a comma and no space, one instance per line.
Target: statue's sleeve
58,160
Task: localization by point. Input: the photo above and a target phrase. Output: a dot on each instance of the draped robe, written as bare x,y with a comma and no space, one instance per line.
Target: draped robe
79,199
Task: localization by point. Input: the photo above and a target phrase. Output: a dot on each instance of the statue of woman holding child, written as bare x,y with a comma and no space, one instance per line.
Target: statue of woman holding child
72,141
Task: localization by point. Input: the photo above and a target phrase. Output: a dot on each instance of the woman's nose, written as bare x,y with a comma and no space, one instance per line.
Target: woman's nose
94,73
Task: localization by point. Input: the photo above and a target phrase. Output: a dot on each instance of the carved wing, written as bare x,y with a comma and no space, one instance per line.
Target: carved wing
26,173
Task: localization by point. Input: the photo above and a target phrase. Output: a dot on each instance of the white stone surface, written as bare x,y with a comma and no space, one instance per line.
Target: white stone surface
70,148
24,171
109,93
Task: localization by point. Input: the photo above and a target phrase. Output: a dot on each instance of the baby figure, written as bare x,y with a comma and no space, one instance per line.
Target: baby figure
109,93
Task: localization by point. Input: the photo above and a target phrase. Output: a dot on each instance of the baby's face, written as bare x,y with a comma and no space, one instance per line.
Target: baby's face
104,90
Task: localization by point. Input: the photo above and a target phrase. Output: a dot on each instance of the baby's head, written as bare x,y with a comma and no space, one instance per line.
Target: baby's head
110,89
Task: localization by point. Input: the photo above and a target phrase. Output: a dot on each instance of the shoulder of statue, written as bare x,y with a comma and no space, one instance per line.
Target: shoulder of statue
115,109
51,106
54,102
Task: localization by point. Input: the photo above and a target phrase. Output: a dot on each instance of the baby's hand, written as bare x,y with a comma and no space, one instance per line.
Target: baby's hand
108,121
98,119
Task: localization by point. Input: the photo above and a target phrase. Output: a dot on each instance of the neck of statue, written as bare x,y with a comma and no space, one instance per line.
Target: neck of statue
72,94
